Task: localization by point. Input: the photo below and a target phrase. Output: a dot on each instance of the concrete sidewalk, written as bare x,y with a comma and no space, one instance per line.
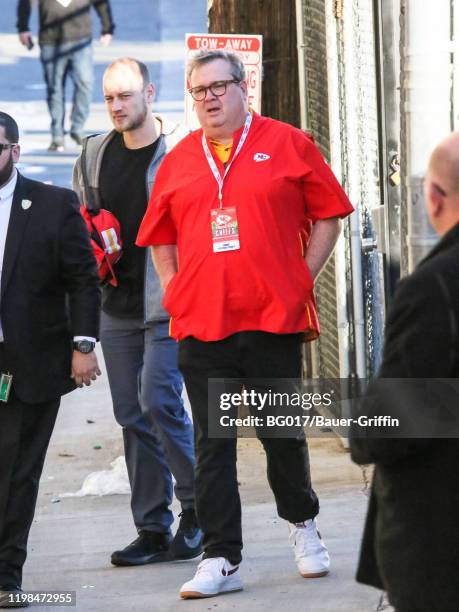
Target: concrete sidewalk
71,540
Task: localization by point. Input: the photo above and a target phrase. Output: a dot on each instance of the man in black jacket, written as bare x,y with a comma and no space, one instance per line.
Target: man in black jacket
49,298
411,541
65,36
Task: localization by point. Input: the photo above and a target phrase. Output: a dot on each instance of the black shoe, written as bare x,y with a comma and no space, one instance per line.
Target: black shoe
149,547
10,597
187,542
77,138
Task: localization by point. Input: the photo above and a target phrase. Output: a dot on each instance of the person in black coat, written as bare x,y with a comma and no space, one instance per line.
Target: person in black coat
49,299
410,544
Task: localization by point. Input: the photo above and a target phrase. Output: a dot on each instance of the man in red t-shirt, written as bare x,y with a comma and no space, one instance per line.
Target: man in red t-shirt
228,220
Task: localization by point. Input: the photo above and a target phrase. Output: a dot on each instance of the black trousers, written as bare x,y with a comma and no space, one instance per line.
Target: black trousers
25,431
250,354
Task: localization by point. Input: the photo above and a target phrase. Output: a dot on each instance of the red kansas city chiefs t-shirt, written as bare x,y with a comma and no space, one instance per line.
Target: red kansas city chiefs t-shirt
279,183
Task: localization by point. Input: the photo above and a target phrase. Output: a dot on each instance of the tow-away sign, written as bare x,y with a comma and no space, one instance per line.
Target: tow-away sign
247,47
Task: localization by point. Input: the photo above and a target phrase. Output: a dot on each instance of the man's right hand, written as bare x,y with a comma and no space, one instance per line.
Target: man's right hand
25,38
166,280
165,260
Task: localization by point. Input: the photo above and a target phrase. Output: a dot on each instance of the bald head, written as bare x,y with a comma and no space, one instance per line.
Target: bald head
441,188
444,162
130,67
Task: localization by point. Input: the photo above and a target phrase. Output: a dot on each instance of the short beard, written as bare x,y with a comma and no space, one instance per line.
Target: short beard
137,121
7,171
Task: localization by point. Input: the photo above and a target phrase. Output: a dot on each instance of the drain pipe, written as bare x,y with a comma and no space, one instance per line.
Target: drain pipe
357,293
299,14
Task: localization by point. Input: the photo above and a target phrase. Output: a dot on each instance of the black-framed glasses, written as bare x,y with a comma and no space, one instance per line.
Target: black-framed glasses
218,88
7,145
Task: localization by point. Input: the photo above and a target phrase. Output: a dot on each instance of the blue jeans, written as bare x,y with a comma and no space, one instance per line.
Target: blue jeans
74,59
146,389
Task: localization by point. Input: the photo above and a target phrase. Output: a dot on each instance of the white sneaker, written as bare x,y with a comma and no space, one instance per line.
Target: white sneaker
213,576
311,554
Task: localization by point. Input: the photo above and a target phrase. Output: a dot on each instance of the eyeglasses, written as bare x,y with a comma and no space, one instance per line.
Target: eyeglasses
6,145
218,88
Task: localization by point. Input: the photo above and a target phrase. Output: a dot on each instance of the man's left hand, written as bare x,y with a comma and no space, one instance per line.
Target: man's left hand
324,235
84,368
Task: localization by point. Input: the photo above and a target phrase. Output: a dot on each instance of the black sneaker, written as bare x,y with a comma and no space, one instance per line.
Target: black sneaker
187,542
11,597
149,547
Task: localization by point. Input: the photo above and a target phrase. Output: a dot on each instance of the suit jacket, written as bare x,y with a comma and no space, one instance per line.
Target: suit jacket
49,289
411,540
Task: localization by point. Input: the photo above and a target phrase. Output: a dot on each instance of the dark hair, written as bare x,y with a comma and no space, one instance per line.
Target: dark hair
144,72
10,126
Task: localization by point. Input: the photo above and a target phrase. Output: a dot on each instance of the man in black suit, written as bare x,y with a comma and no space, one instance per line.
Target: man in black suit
411,541
49,297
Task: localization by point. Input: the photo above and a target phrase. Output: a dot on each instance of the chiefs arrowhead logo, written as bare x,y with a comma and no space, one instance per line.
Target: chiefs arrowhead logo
260,157
222,219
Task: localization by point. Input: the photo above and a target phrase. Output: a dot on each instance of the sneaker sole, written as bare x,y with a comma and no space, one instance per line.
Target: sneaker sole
315,574
198,595
185,556
144,561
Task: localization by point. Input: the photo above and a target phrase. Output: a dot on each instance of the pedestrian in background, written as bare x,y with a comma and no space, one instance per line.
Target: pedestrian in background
410,545
140,356
241,306
50,296
65,39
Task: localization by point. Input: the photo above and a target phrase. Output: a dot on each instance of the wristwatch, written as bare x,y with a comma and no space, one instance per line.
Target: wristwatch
84,346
